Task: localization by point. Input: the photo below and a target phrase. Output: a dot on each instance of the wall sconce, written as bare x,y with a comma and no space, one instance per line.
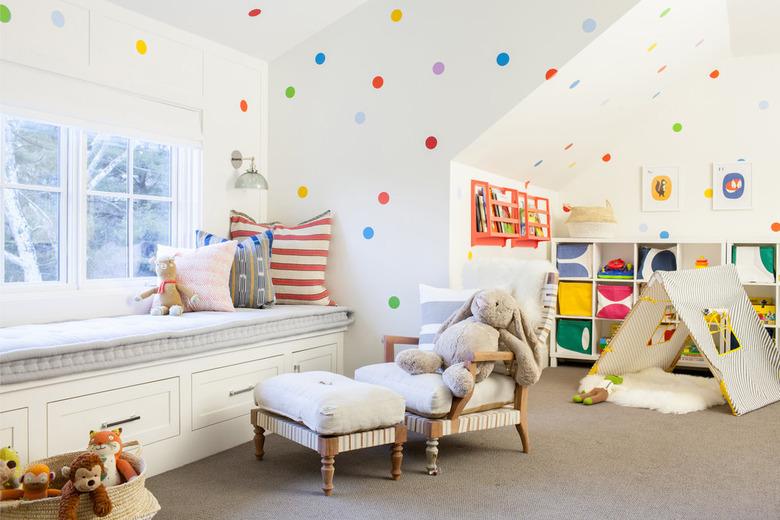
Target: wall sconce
250,178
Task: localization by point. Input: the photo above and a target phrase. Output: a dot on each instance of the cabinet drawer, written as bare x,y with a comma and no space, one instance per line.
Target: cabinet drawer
221,394
13,431
317,358
147,412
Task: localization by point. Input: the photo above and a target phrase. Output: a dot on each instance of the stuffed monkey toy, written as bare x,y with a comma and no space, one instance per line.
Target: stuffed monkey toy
35,485
9,468
167,295
84,477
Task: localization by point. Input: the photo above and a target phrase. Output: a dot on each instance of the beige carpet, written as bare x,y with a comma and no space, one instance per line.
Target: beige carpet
600,462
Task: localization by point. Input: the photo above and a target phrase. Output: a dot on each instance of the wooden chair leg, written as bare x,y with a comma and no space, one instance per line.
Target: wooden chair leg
259,442
327,474
521,404
397,456
432,455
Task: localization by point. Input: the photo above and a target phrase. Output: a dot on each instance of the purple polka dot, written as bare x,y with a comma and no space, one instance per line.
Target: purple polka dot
643,228
438,68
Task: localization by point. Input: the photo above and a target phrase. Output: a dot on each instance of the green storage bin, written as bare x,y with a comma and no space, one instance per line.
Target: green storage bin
575,335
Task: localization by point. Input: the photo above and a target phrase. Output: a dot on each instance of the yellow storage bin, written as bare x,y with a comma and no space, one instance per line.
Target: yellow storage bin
575,298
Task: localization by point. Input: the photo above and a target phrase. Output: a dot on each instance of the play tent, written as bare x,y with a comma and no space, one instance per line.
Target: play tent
711,306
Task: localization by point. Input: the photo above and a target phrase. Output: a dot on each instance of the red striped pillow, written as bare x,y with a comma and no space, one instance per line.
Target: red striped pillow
299,256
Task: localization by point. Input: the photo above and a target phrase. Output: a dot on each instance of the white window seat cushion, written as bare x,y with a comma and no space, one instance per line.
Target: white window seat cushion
428,396
330,404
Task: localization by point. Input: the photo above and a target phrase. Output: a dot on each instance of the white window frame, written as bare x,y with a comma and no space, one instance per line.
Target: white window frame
185,197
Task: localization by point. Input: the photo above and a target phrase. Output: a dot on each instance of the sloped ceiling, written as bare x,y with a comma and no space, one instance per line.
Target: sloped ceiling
574,120
280,25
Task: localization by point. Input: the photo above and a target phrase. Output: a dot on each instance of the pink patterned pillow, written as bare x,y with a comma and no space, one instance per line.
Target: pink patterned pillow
206,272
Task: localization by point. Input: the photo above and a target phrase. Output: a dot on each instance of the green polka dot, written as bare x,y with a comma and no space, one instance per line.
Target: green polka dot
290,92
5,13
394,302
677,127
665,11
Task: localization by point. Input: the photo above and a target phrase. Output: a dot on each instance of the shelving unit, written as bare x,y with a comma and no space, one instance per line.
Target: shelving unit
686,252
500,215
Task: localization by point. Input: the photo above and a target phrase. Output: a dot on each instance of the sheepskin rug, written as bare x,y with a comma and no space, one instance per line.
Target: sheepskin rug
657,389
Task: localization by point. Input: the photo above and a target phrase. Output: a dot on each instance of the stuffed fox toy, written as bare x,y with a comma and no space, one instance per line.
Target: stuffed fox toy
167,295
108,446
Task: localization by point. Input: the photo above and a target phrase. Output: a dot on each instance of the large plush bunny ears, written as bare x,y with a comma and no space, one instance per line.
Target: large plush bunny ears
463,312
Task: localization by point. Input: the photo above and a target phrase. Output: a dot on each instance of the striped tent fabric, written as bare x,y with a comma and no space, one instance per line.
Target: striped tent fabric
250,277
749,375
300,256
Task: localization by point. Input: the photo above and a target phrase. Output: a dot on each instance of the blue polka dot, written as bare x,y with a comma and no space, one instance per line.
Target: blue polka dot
537,163
664,234
502,59
574,83
360,118
319,59
656,94
643,228
740,160
589,25
763,104
57,18
368,232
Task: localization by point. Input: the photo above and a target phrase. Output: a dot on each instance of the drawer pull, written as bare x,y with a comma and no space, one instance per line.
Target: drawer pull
242,391
132,418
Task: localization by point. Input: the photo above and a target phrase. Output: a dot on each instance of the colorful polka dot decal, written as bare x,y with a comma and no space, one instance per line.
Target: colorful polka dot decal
606,157
763,104
538,163
550,73
244,106
656,94
643,228
254,12
438,68
652,47
377,82
5,13
775,227
431,142
708,193
319,58
57,18
574,84
289,92
368,232
383,198
566,208
589,25
677,127
502,59
568,146
470,256
360,117
715,73
664,235
660,70
665,12
394,302
396,15
572,164
140,46
303,192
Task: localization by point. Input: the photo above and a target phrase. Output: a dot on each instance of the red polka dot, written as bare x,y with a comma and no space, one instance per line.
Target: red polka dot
715,73
606,157
431,142
244,106
566,208
378,81
383,197
254,12
550,73
775,227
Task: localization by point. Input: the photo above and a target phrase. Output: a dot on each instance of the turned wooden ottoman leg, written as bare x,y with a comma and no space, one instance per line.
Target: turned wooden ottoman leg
327,474
432,455
259,442
397,456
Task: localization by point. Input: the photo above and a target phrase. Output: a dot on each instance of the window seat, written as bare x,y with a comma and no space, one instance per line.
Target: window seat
35,352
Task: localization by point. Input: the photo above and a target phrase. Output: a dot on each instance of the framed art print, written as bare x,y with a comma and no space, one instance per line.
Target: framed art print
660,188
732,186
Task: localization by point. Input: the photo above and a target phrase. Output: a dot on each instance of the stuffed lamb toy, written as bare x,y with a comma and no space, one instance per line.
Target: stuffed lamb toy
490,321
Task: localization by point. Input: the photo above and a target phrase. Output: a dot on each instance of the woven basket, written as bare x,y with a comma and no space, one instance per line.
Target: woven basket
131,500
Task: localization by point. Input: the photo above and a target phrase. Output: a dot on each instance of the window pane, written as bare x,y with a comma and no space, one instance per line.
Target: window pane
106,237
151,226
32,153
107,163
31,235
152,169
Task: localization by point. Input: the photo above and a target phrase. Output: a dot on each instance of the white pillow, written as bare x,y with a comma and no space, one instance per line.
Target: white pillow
436,305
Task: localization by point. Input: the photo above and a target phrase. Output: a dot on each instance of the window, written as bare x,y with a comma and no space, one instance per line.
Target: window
114,197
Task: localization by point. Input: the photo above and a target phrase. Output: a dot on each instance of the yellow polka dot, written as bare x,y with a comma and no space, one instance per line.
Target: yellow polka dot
396,15
708,193
652,46
303,192
470,255
140,46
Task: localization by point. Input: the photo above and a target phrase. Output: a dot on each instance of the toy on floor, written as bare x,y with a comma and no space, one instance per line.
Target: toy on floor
36,480
108,446
9,468
167,295
489,321
84,477
617,269
701,263
600,392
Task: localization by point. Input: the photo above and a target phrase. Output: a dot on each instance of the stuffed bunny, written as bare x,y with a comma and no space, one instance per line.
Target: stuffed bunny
490,321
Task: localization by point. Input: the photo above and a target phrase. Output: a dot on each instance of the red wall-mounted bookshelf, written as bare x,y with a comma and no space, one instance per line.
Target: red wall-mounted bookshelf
500,214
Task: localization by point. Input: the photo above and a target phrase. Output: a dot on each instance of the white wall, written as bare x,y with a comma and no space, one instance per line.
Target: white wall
88,72
315,141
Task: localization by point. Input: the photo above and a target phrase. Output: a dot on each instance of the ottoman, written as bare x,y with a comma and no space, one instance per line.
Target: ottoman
329,414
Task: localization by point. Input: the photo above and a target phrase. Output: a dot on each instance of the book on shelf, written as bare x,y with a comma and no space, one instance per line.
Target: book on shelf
502,211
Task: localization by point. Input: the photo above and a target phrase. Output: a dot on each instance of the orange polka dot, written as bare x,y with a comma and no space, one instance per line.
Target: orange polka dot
775,227
244,105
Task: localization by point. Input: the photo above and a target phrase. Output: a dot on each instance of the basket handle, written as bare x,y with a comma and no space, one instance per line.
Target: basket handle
135,448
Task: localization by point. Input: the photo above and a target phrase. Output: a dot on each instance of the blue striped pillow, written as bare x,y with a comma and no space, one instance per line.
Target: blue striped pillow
250,276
